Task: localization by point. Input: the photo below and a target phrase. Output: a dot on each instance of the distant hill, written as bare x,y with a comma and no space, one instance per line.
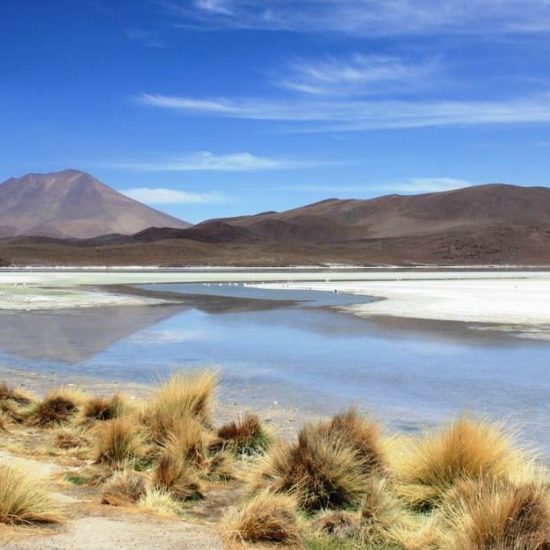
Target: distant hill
72,204
488,224
391,216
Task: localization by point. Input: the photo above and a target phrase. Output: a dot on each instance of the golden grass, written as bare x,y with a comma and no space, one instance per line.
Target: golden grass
244,436
181,397
24,499
465,449
496,514
58,407
175,473
124,488
321,469
159,501
363,435
5,421
267,518
13,403
117,441
67,439
101,408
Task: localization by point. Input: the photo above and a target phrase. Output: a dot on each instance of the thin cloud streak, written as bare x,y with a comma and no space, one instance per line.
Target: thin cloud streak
406,187
367,17
205,161
161,195
358,74
353,115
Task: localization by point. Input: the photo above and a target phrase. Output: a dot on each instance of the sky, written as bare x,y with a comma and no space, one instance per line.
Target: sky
211,108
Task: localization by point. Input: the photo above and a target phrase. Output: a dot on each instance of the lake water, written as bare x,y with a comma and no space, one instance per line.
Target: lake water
291,347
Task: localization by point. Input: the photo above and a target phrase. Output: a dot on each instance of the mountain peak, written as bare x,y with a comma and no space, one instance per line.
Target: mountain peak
72,204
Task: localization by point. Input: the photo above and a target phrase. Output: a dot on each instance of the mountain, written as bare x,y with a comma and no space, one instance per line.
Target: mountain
488,224
390,216
72,204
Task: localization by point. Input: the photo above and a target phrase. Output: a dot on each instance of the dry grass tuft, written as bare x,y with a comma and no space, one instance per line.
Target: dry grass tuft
101,408
14,402
381,513
321,469
24,499
123,489
338,524
176,470
183,396
117,441
159,501
244,436
57,408
363,435
496,514
267,518
69,440
5,421
466,449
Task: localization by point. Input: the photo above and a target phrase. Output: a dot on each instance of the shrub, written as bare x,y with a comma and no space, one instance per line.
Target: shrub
24,499
466,449
321,469
69,440
245,436
123,488
490,514
267,518
181,397
58,407
159,501
101,408
117,441
176,473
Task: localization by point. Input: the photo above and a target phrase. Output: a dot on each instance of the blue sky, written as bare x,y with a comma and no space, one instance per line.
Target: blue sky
207,108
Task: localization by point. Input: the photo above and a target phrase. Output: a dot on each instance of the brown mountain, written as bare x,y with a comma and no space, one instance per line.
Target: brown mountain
391,216
488,224
72,204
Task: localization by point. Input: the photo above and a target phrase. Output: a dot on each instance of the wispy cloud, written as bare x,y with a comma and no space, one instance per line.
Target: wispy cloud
161,195
372,17
202,161
407,186
349,114
357,74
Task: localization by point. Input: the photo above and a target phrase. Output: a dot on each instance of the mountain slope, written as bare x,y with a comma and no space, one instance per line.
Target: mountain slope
334,221
72,204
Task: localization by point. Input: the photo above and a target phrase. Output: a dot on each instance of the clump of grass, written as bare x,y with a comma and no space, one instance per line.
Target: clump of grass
101,408
363,435
321,469
490,514
14,402
380,514
118,441
182,396
176,472
338,524
244,436
466,449
58,407
5,421
24,499
67,440
159,501
267,518
123,489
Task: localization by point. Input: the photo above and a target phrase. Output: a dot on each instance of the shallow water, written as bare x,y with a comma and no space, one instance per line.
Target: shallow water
290,346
